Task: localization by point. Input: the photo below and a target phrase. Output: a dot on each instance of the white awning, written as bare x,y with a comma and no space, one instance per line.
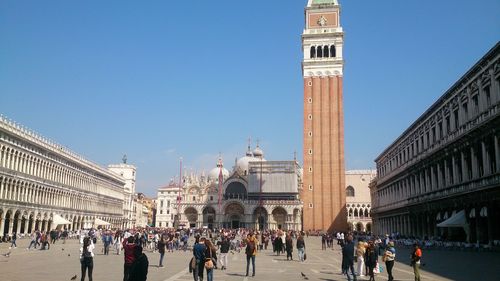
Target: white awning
100,222
57,220
456,220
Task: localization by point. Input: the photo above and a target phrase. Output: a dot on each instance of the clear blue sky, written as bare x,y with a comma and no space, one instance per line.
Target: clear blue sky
162,79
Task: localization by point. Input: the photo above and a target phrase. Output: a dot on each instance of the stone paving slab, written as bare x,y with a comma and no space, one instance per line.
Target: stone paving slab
59,264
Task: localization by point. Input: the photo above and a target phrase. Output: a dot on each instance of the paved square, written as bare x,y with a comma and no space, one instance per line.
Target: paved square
59,264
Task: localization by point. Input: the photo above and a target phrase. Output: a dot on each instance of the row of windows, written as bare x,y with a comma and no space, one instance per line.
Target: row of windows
21,191
464,165
13,159
323,52
480,101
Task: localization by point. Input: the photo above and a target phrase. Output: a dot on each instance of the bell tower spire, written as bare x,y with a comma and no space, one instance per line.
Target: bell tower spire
322,68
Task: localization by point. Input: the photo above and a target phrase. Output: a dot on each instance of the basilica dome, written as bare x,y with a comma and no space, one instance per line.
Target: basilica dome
214,173
242,163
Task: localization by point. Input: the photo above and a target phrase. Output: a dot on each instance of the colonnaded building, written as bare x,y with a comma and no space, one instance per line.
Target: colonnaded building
441,177
257,194
358,200
322,69
44,185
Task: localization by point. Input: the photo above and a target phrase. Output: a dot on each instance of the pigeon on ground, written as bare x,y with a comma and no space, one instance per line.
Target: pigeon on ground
304,276
69,255
73,278
7,254
62,249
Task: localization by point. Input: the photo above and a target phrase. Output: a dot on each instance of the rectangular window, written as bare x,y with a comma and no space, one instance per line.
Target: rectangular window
466,111
440,129
161,212
433,132
487,95
168,212
161,203
448,129
455,118
168,204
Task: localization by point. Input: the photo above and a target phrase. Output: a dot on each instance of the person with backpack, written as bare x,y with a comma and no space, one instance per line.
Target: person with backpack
129,257
87,258
198,265
139,268
251,251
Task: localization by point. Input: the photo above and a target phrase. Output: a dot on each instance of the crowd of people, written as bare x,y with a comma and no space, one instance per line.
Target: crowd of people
360,253
361,258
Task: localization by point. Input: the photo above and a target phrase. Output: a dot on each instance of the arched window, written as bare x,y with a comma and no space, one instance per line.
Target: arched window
332,51
313,52
325,51
319,52
349,191
356,213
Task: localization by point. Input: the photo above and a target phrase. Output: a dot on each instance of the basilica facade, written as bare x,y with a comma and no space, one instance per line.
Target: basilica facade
256,194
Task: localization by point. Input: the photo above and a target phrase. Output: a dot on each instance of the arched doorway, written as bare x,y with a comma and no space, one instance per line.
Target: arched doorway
234,215
368,227
192,216
209,217
359,227
279,216
260,218
8,219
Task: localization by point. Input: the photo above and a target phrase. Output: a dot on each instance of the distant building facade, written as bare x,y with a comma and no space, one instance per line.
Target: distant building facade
358,200
256,194
323,135
127,172
44,185
441,177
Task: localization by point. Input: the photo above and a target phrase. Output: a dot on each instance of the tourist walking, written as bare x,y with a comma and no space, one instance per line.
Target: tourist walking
210,256
118,239
360,256
371,257
139,268
289,247
129,256
389,256
107,239
161,249
416,255
87,258
224,249
251,251
348,259
13,242
33,242
199,259
301,247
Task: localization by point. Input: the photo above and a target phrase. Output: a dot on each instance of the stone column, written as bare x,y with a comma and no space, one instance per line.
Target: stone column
497,152
491,225
26,225
19,223
2,225
33,222
11,225
465,174
454,167
486,159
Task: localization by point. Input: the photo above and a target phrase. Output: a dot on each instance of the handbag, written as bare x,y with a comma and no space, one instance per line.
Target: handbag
209,264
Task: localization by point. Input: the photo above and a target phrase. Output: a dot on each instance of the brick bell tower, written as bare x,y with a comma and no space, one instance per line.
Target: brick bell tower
323,191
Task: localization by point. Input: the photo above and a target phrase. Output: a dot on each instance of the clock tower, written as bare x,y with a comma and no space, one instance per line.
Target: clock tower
323,190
